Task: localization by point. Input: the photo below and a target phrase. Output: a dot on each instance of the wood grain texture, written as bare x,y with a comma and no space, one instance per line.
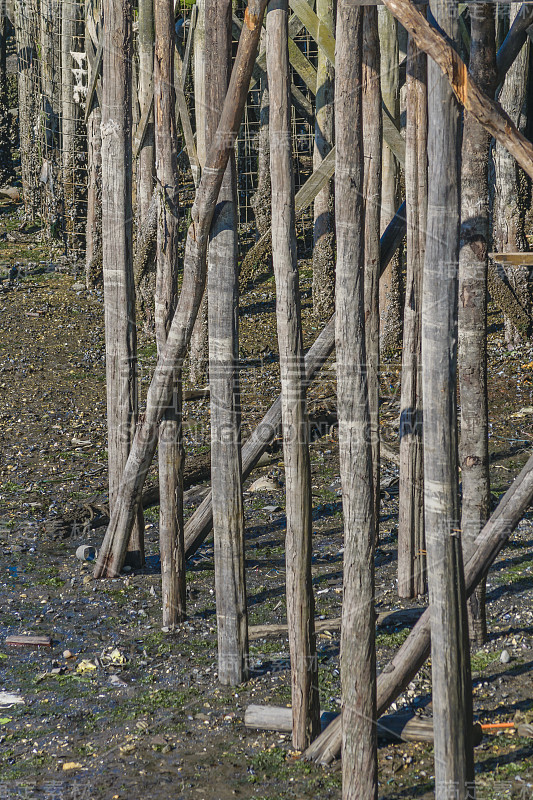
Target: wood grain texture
119,305
358,657
298,540
473,264
372,143
223,315
170,449
411,540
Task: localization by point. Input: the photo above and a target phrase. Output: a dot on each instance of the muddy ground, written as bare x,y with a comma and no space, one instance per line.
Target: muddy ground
135,711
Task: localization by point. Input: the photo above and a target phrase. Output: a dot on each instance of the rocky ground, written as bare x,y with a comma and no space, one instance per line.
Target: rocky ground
119,708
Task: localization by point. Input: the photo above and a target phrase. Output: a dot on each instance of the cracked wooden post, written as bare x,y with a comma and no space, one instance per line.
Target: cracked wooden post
170,449
113,550
358,654
223,315
298,541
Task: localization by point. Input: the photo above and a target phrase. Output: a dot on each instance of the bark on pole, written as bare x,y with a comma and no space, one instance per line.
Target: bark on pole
358,657
372,136
223,290
120,331
112,552
473,263
260,201
170,451
411,542
146,154
414,651
298,542
6,162
323,233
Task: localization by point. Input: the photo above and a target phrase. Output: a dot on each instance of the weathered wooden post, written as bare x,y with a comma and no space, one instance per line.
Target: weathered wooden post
300,602
508,217
28,99
358,660
113,550
146,153
223,288
323,234
199,354
473,262
6,163
450,657
121,337
411,542
93,116
389,286
71,35
170,450
373,140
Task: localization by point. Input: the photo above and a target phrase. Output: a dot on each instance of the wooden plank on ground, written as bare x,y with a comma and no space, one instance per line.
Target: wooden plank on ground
29,640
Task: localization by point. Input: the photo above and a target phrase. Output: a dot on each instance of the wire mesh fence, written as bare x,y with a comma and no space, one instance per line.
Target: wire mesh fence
57,43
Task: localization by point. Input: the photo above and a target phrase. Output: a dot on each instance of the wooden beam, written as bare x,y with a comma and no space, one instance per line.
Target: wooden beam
472,98
140,132
95,63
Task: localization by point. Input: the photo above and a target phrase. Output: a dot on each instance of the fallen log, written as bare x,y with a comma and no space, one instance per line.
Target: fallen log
393,727
478,558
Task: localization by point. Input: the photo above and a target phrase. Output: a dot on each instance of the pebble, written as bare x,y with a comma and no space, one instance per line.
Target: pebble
67,654
505,657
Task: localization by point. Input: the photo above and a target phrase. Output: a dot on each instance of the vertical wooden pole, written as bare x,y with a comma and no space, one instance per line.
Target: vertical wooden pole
199,347
6,163
389,285
145,157
372,143
411,541
49,29
71,19
121,336
93,229
323,236
170,450
261,199
452,690
28,99
358,660
300,601
223,286
508,217
473,263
